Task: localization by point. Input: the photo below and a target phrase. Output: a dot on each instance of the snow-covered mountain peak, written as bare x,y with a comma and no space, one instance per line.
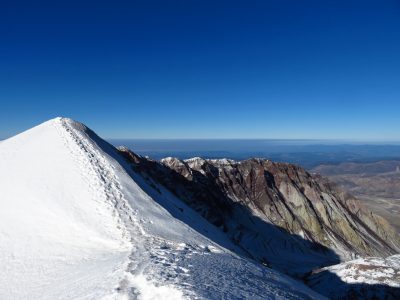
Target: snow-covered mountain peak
50,188
77,125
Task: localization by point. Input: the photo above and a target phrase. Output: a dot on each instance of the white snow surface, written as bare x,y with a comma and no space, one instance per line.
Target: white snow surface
60,237
362,278
75,225
369,270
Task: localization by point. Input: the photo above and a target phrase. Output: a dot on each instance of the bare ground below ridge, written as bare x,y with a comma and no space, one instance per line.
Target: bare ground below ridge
376,184
389,208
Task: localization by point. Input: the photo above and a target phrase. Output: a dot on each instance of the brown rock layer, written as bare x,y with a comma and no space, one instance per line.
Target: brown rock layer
274,211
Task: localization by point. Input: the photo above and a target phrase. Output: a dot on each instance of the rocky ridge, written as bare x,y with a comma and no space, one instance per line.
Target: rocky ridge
276,212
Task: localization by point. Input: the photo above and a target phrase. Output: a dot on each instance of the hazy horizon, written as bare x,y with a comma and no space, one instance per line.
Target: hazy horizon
306,141
305,153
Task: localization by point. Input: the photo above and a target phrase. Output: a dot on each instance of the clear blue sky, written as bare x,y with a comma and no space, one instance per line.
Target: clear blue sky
203,69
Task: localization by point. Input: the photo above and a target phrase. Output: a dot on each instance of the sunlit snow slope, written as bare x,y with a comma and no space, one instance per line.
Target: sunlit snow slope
75,225
363,278
60,236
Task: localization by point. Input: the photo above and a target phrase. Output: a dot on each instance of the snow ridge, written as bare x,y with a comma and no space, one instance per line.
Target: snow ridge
144,247
93,163
60,235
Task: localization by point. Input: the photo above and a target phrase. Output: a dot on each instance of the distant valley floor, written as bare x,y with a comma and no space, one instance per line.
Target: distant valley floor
389,208
377,184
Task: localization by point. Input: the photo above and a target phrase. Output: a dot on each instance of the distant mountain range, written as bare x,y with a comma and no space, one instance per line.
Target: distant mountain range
307,153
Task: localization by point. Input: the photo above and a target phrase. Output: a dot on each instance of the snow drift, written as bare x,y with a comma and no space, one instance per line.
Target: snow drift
75,225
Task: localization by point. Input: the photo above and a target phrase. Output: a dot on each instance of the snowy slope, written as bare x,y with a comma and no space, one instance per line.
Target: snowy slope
56,223
75,225
363,278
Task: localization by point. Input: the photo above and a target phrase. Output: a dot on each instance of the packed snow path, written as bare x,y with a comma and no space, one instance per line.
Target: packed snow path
91,158
75,225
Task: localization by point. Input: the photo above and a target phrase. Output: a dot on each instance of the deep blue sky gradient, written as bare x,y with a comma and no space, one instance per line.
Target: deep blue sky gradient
203,69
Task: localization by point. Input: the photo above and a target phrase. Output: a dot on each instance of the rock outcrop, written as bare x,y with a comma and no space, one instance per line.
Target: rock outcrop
278,213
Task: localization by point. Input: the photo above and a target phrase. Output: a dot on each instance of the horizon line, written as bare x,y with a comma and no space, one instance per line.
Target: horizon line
255,139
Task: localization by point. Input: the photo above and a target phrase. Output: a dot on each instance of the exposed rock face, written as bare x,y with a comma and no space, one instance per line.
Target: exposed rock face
277,212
